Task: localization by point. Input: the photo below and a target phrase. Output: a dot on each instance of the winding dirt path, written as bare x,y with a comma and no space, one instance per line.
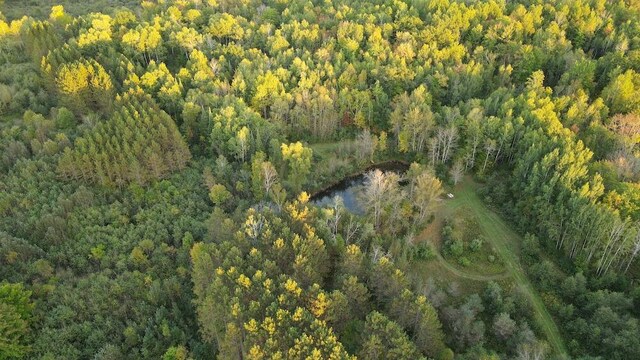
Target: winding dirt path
463,274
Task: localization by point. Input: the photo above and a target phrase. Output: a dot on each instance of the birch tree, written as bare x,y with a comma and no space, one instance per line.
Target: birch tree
456,172
444,144
614,244
473,133
334,215
380,190
412,120
366,145
489,148
269,176
635,249
428,189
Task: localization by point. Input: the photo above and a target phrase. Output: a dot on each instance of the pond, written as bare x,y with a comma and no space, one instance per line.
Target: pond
349,187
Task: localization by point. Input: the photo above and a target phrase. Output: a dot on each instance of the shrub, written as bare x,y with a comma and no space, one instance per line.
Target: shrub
476,244
456,248
65,118
421,251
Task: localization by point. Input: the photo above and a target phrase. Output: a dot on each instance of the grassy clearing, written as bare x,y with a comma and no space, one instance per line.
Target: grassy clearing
506,244
457,283
477,255
331,148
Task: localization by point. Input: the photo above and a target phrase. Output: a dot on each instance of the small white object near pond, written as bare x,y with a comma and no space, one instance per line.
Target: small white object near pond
450,195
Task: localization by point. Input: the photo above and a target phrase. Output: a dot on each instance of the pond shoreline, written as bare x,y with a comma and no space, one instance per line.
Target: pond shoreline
325,189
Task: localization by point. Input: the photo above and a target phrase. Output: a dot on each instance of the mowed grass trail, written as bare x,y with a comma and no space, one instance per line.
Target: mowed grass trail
507,245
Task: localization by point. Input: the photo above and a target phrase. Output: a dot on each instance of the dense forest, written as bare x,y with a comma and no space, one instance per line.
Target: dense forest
160,162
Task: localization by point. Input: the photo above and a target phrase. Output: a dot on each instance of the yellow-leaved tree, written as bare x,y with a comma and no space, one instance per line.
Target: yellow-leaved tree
85,85
298,157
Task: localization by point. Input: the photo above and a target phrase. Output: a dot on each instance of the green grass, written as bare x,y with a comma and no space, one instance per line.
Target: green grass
438,272
506,244
333,149
466,228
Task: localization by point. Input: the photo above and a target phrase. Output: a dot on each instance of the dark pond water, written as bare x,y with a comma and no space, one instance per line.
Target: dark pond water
348,188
